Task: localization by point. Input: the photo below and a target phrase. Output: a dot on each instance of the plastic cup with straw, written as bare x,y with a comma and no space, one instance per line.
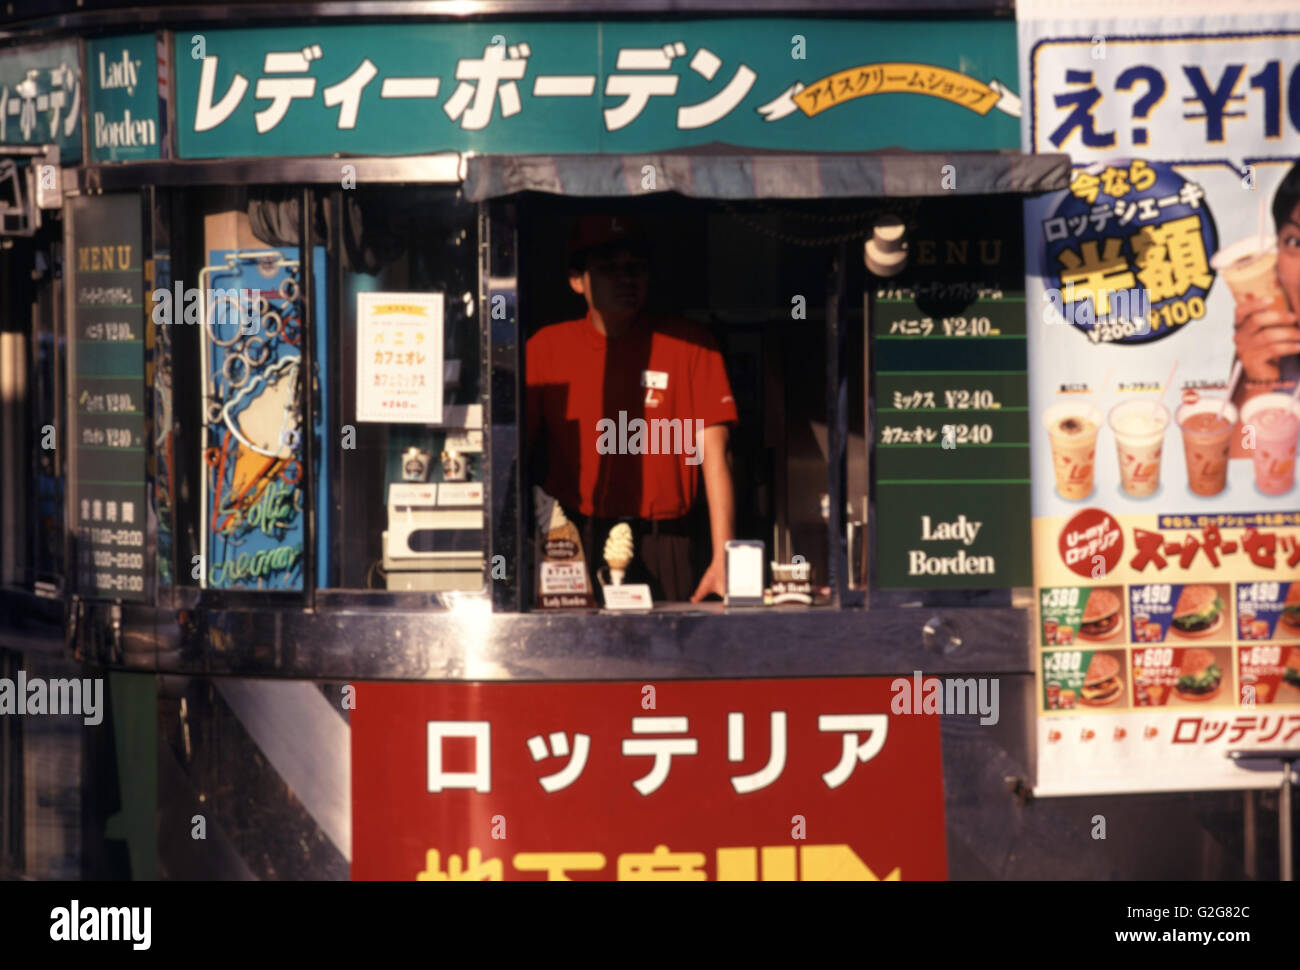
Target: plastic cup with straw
1206,424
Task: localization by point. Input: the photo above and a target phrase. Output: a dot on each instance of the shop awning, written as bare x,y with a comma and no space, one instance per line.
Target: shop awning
721,172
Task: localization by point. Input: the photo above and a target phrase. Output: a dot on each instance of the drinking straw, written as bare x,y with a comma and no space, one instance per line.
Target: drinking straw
1232,388
1263,218
1168,380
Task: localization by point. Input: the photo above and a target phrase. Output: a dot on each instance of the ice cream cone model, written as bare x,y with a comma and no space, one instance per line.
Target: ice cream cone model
619,549
562,580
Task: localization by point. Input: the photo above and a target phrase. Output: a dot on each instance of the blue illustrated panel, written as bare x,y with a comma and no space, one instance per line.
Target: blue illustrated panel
254,450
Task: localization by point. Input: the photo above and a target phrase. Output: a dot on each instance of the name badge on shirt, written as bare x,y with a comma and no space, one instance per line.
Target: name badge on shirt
654,379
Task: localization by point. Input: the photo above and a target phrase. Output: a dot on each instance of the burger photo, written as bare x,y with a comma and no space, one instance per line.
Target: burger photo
1199,676
1289,621
1198,613
1101,616
1288,691
1101,684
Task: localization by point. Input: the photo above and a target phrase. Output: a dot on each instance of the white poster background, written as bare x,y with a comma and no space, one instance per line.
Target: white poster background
399,357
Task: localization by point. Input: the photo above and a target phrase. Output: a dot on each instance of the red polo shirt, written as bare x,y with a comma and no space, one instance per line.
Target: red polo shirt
664,375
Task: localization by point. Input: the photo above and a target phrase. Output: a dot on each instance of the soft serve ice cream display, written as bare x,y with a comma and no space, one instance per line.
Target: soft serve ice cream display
619,550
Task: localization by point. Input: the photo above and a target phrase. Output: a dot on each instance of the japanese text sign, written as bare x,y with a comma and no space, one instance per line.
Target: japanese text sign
686,781
399,357
40,98
1213,95
596,87
108,372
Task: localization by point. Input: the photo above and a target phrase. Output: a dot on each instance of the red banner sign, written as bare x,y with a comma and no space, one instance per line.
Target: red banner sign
728,780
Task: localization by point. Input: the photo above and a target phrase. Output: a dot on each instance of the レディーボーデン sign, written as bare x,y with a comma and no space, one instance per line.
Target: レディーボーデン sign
40,98
686,781
595,87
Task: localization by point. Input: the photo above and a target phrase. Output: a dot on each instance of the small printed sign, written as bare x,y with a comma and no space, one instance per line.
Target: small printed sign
1268,674
1077,613
1077,679
1268,611
399,357
1179,612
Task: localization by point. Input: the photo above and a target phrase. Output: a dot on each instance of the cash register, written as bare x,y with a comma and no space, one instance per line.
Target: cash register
434,541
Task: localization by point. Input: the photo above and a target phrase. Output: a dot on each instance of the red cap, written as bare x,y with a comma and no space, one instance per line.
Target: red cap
603,229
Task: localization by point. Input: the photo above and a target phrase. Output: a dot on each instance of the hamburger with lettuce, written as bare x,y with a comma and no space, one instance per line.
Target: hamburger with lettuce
1290,618
1199,677
1199,611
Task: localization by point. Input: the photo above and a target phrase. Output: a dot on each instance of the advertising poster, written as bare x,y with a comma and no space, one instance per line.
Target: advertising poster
1161,289
771,780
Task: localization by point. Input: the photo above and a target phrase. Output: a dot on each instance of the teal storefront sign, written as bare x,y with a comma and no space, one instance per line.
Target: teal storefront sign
40,98
814,85
124,125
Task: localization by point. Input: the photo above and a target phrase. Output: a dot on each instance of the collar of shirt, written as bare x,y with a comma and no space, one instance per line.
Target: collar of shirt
599,341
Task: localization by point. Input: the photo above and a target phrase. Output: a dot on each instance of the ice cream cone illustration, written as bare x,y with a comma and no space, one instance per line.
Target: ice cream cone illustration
263,416
618,552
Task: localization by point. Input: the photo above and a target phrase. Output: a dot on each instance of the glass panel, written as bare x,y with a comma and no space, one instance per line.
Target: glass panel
31,353
409,509
238,315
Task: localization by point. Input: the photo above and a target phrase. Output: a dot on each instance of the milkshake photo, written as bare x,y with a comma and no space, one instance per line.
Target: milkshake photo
1206,424
1249,267
1275,419
1072,427
1139,428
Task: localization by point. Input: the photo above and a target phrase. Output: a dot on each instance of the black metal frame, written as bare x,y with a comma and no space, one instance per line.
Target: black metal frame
41,20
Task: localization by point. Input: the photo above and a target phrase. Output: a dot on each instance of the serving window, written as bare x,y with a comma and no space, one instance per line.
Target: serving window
367,429
760,281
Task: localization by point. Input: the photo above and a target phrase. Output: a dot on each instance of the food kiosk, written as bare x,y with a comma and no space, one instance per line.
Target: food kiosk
274,312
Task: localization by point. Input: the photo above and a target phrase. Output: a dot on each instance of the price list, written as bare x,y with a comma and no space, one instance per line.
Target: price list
951,436
107,406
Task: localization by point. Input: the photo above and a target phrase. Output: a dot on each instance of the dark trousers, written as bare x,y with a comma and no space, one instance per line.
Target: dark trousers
663,554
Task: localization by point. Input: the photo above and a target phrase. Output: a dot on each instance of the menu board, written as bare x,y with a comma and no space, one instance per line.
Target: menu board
1166,512
951,431
108,390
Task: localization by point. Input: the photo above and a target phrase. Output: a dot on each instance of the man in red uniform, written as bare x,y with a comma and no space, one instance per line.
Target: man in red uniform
632,409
